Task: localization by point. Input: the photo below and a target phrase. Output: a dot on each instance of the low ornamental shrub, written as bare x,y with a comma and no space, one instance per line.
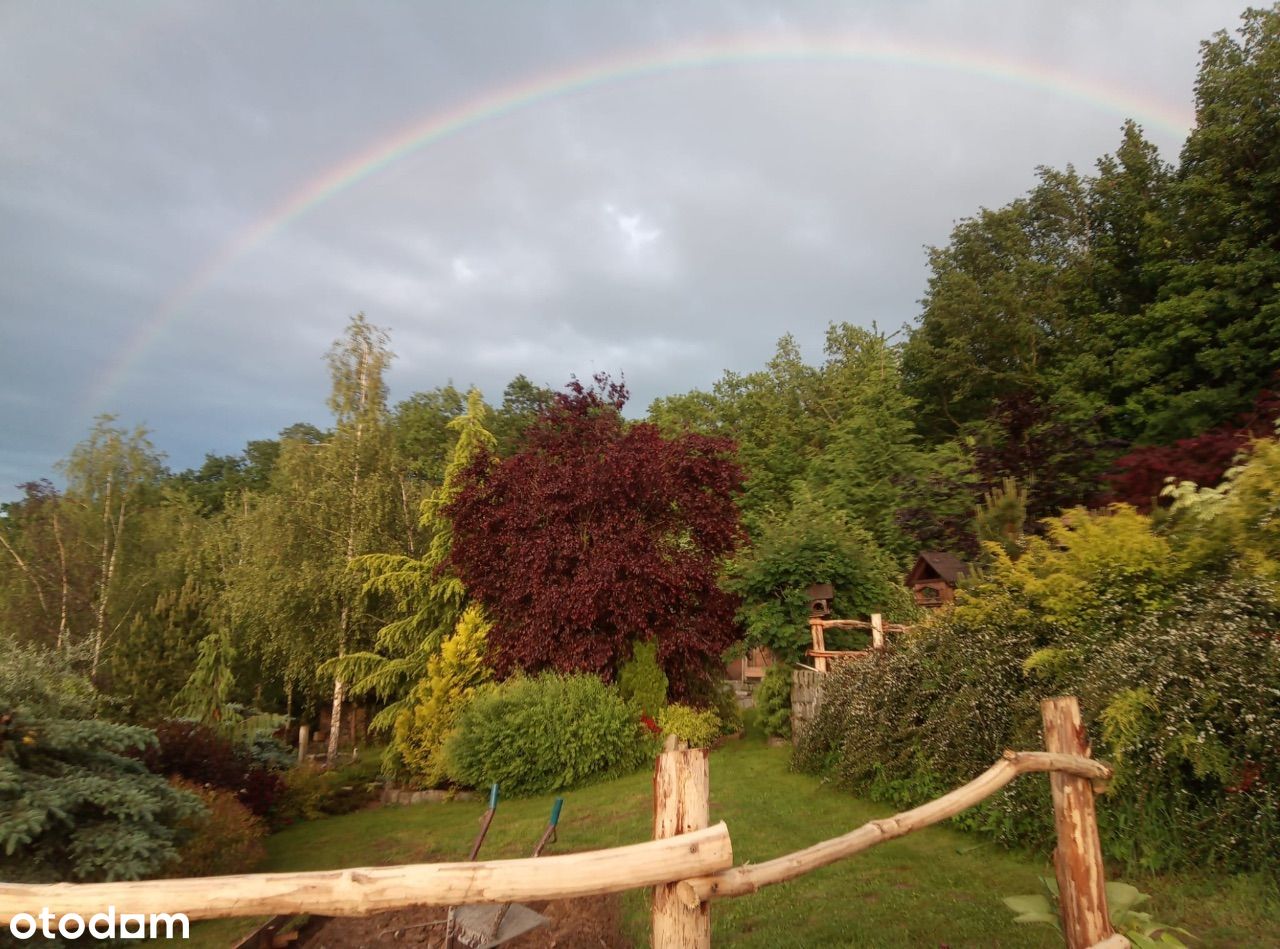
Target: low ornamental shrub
548,733
773,702
203,755
226,839
453,675
700,727
310,793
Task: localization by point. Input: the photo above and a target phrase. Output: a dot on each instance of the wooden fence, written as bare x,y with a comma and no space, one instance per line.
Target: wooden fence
806,697
688,863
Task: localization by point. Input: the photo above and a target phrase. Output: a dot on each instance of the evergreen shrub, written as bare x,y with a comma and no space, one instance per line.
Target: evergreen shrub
548,733
73,804
773,702
311,793
641,679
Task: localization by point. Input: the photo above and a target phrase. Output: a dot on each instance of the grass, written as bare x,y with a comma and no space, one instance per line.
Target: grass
936,887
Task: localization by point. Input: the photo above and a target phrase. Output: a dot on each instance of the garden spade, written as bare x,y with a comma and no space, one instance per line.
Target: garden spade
483,926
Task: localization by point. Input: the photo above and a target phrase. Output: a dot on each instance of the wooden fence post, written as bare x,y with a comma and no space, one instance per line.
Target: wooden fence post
681,803
1077,861
877,631
817,634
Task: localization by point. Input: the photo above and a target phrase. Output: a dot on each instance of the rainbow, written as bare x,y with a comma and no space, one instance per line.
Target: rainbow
496,104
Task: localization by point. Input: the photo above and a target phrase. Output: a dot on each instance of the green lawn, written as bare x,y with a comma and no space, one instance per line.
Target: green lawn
935,887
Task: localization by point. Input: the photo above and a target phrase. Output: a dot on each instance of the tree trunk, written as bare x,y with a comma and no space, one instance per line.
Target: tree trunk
107,561
339,696
63,632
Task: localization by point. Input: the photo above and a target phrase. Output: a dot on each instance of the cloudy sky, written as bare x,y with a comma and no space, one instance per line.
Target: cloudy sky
195,197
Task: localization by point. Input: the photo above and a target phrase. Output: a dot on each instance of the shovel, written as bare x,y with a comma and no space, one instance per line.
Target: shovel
483,926
451,921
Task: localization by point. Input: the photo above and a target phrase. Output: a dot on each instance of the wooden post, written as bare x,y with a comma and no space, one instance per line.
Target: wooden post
877,631
1077,861
681,803
304,743
819,644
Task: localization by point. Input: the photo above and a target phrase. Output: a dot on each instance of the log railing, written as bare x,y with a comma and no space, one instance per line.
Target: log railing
688,864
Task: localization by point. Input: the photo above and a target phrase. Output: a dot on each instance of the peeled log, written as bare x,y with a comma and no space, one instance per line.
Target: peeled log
364,891
681,806
748,879
1077,860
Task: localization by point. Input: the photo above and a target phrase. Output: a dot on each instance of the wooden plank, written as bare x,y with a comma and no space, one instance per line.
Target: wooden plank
681,805
1077,861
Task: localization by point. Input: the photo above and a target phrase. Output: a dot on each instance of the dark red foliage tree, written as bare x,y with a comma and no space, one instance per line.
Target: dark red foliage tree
1138,477
1059,458
599,533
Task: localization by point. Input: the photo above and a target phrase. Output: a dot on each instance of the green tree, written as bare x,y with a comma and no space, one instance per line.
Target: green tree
813,542
522,402
1001,518
207,692
1004,303
871,452
331,501
1212,339
423,593
112,477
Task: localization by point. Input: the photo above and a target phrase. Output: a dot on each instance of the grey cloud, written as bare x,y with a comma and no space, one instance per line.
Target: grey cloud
667,226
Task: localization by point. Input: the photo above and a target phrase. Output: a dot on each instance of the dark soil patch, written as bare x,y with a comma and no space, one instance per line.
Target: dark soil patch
591,922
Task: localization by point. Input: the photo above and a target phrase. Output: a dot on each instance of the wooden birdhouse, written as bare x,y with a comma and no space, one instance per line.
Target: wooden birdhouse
820,596
934,577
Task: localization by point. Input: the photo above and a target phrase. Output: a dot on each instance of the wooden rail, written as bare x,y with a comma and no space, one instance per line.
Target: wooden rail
367,890
747,879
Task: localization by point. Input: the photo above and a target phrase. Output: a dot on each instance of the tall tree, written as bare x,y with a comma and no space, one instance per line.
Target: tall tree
423,593
597,534
332,500
1003,303
522,403
46,578
111,477
872,451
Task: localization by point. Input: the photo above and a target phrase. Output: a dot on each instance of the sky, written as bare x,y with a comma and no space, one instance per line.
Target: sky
196,197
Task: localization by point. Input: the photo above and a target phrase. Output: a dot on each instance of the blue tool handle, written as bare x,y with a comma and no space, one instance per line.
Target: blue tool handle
493,797
555,811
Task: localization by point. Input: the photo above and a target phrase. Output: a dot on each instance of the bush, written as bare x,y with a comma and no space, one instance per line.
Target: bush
73,805
452,678
311,793
773,702
727,709
642,681
544,734
699,727
206,757
227,838
1176,673
813,542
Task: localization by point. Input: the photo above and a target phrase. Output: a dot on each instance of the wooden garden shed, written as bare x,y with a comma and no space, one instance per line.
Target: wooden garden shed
934,577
